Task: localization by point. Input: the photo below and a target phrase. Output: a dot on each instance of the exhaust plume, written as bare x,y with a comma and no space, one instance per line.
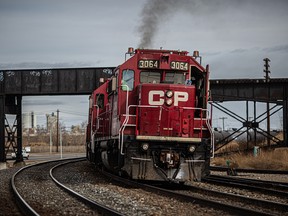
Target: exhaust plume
157,12
153,13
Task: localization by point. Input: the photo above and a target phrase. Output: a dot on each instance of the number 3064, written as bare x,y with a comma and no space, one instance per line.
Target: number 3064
179,65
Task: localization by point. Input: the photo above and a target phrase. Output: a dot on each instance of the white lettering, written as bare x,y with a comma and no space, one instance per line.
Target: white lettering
156,97
158,102
180,96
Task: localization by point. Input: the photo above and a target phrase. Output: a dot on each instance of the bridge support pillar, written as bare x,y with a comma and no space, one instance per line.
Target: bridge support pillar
2,129
285,122
19,156
11,132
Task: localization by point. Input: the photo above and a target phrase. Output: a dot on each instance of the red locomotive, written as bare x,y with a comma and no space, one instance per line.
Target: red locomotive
150,121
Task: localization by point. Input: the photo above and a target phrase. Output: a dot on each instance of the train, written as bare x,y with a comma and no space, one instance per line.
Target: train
151,120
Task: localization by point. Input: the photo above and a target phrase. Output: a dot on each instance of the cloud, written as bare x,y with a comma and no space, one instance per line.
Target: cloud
232,36
280,48
212,53
42,102
43,65
239,50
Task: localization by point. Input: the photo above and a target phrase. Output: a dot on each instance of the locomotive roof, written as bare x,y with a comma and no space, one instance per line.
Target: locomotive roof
150,51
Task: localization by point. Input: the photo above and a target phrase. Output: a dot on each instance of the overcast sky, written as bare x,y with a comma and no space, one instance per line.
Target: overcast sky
233,37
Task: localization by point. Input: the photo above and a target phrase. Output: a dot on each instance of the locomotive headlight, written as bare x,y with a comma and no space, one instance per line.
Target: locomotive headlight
145,146
191,148
169,101
169,94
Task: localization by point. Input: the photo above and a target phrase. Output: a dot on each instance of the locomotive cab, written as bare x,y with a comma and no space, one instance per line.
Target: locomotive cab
150,120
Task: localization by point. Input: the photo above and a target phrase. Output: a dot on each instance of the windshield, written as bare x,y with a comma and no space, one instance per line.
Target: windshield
150,77
155,77
175,77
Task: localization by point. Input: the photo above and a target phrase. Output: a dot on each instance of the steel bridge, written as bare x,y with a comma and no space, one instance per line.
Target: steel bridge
14,84
17,83
273,92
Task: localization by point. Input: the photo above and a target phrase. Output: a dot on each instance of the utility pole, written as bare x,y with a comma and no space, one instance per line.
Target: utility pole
57,130
47,121
51,121
223,118
267,78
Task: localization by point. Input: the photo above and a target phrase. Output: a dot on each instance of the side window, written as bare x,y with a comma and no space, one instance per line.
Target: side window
127,83
100,100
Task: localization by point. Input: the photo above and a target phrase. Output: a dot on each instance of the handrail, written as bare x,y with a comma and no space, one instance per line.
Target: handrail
100,115
97,123
212,135
120,146
126,120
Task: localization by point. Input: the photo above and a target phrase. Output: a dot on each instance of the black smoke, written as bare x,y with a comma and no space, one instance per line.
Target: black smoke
155,13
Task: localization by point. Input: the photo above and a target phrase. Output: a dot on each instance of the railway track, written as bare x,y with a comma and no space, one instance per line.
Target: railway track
229,203
267,187
184,198
129,198
268,206
256,182
239,170
37,193
39,201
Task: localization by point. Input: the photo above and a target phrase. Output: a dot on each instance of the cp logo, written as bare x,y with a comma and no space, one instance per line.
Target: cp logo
156,97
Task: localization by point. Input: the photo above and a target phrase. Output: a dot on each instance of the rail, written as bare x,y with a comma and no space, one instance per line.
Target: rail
22,204
95,205
192,198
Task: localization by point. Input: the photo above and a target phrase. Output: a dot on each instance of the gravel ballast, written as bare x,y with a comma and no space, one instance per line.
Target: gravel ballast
84,178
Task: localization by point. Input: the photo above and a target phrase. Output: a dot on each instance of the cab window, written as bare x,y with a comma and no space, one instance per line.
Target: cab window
127,83
175,77
100,100
150,77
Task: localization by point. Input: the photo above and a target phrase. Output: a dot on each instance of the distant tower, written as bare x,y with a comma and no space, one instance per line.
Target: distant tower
51,121
29,120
